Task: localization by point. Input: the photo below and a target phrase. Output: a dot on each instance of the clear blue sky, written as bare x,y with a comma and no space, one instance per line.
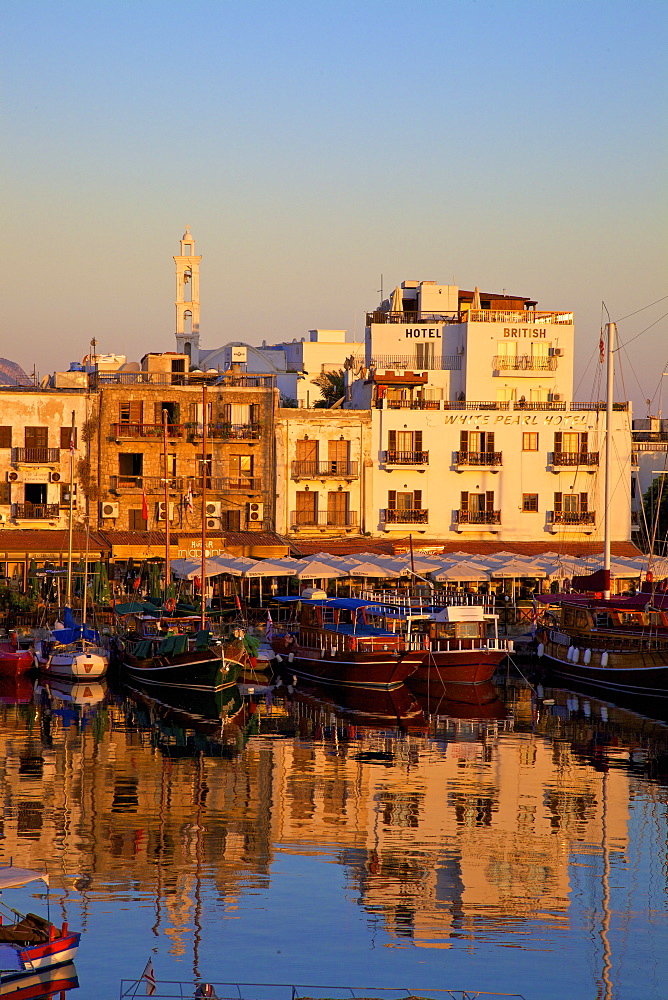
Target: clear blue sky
312,146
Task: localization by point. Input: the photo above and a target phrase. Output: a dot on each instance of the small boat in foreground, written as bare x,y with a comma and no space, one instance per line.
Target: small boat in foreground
30,943
70,651
14,658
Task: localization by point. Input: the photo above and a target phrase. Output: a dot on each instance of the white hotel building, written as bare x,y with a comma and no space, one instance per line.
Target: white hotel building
474,431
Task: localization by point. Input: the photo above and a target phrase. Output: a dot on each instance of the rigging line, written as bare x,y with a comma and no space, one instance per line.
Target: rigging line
631,365
628,316
591,357
626,343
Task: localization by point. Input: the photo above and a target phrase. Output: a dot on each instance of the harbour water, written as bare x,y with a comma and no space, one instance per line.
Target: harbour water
504,845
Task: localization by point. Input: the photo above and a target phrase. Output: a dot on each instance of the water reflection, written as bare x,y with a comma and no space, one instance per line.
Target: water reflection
457,824
50,983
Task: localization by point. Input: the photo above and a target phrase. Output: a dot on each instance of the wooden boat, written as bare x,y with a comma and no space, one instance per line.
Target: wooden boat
31,943
161,648
72,651
332,642
14,657
618,644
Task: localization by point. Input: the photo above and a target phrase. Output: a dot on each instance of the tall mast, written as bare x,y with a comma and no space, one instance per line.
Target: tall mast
71,524
204,472
165,473
611,331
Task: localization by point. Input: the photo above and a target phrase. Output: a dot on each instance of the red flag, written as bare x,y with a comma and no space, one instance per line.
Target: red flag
601,349
144,504
148,977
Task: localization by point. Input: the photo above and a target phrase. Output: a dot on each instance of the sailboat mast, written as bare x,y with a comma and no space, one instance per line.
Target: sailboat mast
204,474
165,473
71,524
611,332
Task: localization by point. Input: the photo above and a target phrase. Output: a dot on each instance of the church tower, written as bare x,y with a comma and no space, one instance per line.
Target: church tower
187,299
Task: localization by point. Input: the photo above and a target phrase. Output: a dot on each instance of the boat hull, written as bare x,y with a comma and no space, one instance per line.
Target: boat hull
191,671
14,661
72,666
630,673
376,671
466,666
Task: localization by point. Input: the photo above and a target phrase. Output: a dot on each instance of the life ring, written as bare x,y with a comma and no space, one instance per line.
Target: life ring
170,605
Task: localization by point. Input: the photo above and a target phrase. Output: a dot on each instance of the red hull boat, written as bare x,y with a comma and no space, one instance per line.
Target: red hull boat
13,659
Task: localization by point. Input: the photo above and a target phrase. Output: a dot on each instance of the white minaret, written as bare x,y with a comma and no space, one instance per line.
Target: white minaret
187,299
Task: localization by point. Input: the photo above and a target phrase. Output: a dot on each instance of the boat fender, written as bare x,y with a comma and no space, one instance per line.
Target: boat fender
604,658
511,646
576,654
279,658
541,649
569,654
291,657
587,656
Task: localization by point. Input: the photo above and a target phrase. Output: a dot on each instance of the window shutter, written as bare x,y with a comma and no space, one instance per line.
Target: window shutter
489,501
227,413
392,499
584,503
157,413
584,440
5,437
392,440
417,499
463,440
418,441
557,441
255,413
558,501
490,441
464,500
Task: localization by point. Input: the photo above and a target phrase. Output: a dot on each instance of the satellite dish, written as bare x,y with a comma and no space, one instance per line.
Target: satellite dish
130,366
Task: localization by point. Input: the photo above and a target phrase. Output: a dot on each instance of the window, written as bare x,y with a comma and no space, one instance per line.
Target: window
5,437
572,508
65,494
570,442
424,356
241,467
337,456
172,413
307,507
404,446
37,437
135,520
130,464
231,519
5,493
530,441
130,412
404,507
337,507
476,441
65,436
529,502
35,493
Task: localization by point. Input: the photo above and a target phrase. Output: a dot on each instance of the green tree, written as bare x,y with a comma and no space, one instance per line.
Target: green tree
655,505
332,388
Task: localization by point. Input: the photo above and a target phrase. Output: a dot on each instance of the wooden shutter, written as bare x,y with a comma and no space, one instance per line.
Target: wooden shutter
464,500
417,499
584,503
5,437
391,440
557,441
489,441
307,451
392,499
37,437
558,501
584,442
464,441
254,413
489,501
227,413
418,441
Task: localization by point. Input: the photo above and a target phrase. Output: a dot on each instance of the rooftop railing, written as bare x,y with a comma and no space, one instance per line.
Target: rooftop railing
235,380
519,317
410,404
599,406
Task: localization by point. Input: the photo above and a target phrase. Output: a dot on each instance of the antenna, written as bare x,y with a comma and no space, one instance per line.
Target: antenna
381,288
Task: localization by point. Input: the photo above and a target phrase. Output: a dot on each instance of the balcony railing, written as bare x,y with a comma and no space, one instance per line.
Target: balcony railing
599,406
235,380
35,511
412,404
549,404
406,458
524,363
323,519
247,483
409,362
479,516
36,456
574,517
303,469
478,458
521,317
410,516
476,404
575,458
228,432
132,431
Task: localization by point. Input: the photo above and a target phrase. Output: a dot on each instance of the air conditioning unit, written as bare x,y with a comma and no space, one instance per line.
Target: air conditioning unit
558,352
160,511
556,397
213,508
12,477
213,523
109,509
254,513
4,517
54,477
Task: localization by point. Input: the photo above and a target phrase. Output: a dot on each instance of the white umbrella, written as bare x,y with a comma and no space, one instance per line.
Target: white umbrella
397,302
463,570
373,570
317,570
421,564
475,304
516,568
188,569
269,567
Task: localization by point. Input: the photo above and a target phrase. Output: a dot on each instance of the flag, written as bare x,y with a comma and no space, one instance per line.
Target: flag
601,349
270,627
144,504
148,977
189,498
73,440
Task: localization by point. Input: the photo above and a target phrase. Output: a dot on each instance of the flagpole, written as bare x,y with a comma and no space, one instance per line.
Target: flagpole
165,472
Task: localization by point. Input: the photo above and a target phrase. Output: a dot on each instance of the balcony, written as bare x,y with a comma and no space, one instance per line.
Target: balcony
410,362
322,519
127,431
574,458
407,516
473,404
599,407
524,364
35,456
476,459
232,381
316,470
543,404
410,404
228,432
406,458
477,518
246,484
573,517
35,511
